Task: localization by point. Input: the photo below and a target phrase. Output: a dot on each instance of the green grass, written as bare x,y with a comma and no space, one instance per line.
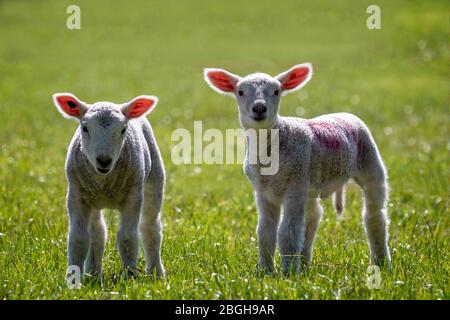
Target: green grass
396,79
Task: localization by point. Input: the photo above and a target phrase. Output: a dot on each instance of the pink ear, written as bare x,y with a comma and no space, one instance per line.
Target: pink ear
295,77
68,104
140,106
221,81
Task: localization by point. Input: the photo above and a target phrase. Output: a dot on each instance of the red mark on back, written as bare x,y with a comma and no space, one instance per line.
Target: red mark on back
325,133
347,127
335,131
351,130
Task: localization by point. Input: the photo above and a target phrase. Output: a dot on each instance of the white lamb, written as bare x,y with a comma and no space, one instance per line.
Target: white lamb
113,162
316,159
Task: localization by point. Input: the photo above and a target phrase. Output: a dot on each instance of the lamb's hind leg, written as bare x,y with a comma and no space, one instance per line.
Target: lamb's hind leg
312,219
151,229
97,242
376,220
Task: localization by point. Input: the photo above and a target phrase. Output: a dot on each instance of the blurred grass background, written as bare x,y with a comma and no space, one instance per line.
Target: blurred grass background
395,79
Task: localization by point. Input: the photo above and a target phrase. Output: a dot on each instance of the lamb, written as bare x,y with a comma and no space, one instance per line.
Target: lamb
113,162
316,159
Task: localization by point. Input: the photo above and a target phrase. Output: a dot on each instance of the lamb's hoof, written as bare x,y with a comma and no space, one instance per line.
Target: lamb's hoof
305,263
289,272
264,270
383,263
131,273
291,264
156,273
95,273
93,279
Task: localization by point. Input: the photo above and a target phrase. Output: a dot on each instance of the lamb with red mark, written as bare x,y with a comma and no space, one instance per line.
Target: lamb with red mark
316,157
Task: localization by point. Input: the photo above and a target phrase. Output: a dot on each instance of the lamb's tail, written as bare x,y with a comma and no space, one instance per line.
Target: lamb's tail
339,200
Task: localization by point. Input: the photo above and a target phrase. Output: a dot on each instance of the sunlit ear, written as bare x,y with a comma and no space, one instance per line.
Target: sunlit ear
222,81
139,106
69,105
295,78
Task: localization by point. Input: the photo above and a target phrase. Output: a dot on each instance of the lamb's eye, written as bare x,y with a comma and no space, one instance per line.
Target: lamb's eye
277,92
123,130
241,93
85,129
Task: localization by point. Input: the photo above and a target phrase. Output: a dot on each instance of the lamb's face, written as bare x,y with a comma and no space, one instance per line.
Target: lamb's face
258,97
103,125
258,94
103,129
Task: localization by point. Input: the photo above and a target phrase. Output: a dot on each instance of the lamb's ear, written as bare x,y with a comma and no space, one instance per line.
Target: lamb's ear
70,106
139,106
222,81
295,78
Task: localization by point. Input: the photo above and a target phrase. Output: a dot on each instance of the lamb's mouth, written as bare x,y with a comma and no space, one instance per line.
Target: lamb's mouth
103,171
258,118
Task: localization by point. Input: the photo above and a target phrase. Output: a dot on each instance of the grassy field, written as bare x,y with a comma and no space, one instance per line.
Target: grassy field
396,79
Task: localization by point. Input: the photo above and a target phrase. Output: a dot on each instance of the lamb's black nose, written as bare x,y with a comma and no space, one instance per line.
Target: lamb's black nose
259,108
104,161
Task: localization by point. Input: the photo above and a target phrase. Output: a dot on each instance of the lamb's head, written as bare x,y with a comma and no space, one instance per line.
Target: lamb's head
258,94
103,125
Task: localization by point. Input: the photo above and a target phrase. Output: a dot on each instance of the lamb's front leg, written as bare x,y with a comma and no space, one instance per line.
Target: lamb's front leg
97,243
268,218
312,219
291,234
78,239
127,237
